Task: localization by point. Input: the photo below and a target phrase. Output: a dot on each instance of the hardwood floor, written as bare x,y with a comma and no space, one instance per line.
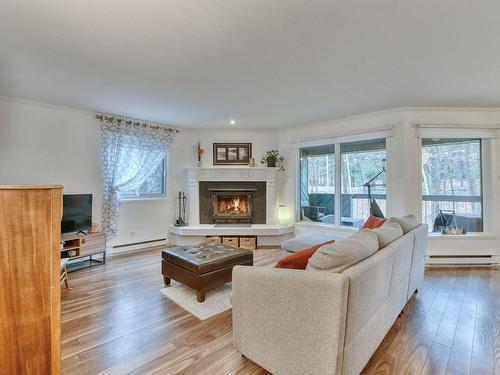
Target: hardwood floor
115,321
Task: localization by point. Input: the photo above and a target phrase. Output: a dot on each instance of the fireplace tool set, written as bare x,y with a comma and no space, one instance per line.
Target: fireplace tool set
181,220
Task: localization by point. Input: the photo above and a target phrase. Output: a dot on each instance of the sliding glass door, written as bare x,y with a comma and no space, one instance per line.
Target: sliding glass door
362,166
317,183
363,172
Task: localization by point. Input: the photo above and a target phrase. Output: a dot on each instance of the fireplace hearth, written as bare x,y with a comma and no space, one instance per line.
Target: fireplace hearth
238,202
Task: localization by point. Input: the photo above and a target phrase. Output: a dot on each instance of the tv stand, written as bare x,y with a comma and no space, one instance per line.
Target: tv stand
82,232
84,248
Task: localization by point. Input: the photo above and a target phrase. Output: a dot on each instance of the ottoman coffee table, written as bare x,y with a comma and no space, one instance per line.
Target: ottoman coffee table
204,266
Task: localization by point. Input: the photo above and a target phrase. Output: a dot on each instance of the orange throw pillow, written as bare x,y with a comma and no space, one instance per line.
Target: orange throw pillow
298,260
373,222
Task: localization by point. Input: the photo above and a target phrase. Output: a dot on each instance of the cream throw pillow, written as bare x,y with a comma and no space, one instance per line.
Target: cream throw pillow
340,255
389,232
408,222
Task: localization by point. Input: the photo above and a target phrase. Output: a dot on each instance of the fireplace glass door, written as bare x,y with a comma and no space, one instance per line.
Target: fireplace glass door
232,208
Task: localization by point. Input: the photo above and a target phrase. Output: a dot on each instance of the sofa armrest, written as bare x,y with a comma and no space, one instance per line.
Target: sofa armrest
290,321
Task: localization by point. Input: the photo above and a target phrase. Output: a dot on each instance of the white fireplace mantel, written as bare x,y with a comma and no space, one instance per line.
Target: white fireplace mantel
193,176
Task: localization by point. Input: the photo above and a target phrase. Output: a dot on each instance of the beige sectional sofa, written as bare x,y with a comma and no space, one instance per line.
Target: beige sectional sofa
322,322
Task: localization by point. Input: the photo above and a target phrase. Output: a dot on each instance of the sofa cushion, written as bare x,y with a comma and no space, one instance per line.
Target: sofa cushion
299,259
343,254
408,222
305,242
389,232
373,222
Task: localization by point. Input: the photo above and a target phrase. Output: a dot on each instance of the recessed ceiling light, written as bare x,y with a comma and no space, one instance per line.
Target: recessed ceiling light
232,122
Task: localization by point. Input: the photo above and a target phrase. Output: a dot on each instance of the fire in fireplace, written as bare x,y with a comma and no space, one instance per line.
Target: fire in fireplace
232,202
237,205
233,208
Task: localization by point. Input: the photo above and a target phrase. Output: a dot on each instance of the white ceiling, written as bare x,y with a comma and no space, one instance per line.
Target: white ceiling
264,63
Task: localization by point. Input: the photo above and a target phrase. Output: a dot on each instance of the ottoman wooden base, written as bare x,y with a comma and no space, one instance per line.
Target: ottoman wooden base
199,282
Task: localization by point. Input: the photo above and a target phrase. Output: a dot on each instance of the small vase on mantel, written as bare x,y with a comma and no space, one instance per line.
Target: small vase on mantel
200,152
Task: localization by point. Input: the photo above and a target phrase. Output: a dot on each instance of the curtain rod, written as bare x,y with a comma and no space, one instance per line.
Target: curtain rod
331,135
457,126
129,121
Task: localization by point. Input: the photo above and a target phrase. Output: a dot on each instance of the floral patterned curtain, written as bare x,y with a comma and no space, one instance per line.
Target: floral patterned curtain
131,151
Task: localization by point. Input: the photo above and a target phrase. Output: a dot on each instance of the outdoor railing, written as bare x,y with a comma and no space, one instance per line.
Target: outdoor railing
461,204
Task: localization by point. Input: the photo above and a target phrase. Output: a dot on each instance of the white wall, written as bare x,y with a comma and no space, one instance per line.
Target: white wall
350,125
41,144
185,155
489,243
135,216
403,164
49,144
261,140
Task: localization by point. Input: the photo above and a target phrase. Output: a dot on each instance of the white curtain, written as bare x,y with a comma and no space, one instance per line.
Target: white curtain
131,151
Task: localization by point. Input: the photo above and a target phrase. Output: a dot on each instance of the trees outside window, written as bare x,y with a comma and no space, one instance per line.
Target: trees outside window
360,162
152,187
317,182
452,184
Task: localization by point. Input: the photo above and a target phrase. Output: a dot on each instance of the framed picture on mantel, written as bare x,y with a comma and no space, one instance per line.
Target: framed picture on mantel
232,153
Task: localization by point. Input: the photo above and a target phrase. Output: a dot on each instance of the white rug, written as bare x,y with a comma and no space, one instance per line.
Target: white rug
216,300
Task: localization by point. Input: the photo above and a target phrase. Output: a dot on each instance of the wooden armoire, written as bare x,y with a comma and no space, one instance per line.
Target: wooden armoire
30,236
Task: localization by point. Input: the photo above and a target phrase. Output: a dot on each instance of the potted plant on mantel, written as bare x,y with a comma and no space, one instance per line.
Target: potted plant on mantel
273,159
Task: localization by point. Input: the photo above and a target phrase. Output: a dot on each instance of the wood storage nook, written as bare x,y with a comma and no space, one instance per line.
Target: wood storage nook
248,242
230,240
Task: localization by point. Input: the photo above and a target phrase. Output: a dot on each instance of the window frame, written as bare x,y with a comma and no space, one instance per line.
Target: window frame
338,182
485,180
148,197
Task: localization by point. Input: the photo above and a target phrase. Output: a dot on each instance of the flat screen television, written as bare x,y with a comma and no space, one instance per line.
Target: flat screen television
77,213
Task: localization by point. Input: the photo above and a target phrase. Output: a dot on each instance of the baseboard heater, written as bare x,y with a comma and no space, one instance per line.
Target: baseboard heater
457,260
140,245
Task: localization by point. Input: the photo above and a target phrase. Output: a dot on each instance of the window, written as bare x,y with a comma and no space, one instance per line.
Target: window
152,187
452,184
317,187
363,164
360,162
